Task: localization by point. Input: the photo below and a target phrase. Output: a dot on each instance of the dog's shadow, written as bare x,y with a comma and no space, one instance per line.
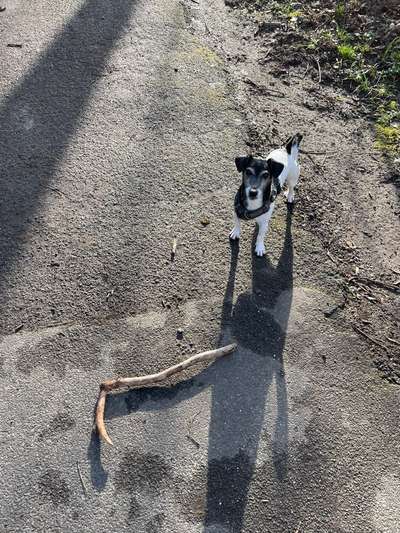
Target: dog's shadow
240,387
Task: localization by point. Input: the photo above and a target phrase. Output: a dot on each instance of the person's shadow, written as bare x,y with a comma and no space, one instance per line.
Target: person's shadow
240,393
240,387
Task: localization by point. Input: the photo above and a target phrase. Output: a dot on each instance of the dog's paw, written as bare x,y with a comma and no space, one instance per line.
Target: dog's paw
289,197
260,249
234,234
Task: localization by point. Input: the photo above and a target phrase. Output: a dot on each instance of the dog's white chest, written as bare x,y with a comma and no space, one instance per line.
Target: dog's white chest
254,204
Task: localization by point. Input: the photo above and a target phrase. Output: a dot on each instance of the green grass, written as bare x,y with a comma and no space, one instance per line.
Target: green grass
340,12
286,10
342,35
347,52
375,75
356,57
388,139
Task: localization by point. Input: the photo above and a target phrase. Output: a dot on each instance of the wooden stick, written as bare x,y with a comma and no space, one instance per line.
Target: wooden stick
315,153
369,281
139,381
101,427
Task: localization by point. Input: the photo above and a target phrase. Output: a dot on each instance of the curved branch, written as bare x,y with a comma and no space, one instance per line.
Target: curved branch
100,425
139,381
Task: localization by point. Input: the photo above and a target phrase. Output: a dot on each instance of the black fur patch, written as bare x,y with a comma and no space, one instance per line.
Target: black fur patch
294,139
289,145
267,192
275,168
243,162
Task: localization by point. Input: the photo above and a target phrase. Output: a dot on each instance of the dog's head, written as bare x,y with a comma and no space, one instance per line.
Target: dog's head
257,178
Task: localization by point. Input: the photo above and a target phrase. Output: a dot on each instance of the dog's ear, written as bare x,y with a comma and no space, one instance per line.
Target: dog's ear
270,166
242,162
274,170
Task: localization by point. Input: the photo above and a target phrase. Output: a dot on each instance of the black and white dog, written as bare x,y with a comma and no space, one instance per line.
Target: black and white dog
262,181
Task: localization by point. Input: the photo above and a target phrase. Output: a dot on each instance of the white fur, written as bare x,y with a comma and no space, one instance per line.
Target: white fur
290,175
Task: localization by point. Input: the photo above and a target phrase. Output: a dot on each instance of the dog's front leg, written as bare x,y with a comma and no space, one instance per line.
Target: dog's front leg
263,222
235,233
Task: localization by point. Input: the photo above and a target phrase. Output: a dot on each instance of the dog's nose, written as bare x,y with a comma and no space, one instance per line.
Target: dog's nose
253,193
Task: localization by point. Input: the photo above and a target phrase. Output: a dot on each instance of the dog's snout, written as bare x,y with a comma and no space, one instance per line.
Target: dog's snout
253,193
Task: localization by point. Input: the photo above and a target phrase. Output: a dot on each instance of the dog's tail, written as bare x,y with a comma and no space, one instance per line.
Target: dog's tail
292,145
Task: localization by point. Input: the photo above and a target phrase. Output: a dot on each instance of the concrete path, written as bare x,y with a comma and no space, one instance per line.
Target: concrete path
119,124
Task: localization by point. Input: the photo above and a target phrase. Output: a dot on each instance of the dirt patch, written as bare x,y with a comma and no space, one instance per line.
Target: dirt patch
350,45
346,215
139,471
60,423
53,488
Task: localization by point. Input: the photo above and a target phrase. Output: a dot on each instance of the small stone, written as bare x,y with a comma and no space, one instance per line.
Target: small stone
179,333
270,26
309,104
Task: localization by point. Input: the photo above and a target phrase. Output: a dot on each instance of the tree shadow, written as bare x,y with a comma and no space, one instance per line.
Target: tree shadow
240,387
39,117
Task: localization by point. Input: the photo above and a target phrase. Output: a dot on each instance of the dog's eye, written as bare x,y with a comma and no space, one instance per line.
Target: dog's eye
248,172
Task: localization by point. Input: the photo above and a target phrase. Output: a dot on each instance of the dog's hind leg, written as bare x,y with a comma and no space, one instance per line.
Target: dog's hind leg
235,233
292,179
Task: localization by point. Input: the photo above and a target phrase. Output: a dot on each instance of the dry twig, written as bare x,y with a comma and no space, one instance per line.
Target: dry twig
371,339
81,478
393,340
315,153
333,259
266,91
139,381
369,281
305,72
317,165
54,189
319,70
173,248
